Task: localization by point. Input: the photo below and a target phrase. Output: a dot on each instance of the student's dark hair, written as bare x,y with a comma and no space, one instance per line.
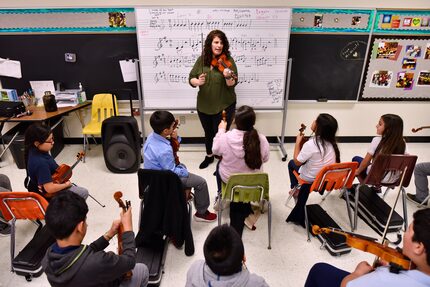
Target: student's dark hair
422,229
245,121
392,141
64,212
326,128
207,52
161,120
37,132
223,250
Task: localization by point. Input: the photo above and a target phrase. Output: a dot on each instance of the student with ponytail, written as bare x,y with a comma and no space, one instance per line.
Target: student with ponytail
243,150
319,151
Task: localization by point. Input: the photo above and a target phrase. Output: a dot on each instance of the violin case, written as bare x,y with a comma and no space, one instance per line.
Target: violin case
373,210
121,141
28,262
153,257
334,243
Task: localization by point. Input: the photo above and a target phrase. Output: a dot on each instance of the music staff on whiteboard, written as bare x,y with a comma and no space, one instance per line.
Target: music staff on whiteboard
215,73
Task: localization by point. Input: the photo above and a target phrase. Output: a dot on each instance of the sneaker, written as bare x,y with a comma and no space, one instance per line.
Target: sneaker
206,162
413,198
5,229
206,217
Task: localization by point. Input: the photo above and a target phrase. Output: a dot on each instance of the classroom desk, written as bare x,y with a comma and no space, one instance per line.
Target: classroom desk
40,115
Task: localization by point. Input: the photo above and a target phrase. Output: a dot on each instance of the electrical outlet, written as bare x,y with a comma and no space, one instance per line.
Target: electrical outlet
182,120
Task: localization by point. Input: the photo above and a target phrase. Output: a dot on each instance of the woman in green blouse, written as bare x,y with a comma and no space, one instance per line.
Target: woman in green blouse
216,82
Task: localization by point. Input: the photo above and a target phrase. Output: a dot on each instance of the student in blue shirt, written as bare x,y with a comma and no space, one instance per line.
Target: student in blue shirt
416,246
158,155
40,165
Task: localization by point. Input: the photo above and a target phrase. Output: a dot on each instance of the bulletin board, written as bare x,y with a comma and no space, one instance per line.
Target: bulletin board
398,64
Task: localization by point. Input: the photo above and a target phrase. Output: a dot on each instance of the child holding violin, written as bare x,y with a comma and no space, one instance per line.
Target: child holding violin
416,246
68,262
41,166
389,141
215,73
243,150
320,150
158,155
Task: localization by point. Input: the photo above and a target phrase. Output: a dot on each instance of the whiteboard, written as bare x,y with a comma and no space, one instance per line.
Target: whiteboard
170,41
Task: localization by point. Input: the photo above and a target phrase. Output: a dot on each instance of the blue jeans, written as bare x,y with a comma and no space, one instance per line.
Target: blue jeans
293,167
359,159
325,275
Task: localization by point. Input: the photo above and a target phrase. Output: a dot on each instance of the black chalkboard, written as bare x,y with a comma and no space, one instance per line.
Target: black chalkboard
326,66
97,66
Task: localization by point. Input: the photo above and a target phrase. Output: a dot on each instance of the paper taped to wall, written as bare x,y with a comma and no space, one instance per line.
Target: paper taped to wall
10,68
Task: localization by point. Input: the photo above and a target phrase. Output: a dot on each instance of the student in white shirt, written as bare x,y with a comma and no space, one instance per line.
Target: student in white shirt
319,151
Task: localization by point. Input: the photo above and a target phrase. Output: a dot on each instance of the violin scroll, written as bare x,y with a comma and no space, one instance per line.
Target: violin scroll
415,130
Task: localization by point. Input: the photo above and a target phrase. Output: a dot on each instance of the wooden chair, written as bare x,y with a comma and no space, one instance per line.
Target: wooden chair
247,187
387,171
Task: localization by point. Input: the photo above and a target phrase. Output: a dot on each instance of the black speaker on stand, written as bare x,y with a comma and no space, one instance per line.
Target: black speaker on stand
121,143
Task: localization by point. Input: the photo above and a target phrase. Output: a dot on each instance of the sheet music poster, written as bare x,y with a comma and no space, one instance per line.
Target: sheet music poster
170,41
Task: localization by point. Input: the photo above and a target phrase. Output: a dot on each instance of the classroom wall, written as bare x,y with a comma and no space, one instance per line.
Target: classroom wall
355,119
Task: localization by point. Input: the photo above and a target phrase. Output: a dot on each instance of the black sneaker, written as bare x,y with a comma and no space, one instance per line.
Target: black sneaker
206,162
413,198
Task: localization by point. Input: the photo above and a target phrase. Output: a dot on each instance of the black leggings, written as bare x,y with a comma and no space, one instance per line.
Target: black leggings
210,124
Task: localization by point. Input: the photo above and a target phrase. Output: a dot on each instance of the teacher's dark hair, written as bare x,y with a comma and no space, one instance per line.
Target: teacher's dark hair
207,52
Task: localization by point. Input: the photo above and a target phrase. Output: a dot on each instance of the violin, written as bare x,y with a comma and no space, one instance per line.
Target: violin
304,139
420,128
222,63
64,172
174,142
395,258
224,115
117,196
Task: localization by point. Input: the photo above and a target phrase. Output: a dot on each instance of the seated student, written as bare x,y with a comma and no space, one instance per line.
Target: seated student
38,141
70,263
158,155
389,141
224,263
243,150
319,151
4,186
421,172
416,246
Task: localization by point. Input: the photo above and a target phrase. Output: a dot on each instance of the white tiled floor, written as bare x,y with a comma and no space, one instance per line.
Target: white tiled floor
287,264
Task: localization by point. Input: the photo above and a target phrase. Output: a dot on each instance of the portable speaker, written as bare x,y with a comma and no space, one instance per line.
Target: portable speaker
121,144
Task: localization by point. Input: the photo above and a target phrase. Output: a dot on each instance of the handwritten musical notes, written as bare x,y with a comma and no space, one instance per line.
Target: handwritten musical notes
170,42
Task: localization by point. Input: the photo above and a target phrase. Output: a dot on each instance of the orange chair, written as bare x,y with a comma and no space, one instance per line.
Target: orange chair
387,171
337,176
21,205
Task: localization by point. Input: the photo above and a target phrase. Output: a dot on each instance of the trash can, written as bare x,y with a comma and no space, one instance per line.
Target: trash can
17,148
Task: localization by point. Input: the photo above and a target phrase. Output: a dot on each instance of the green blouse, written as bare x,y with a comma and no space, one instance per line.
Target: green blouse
214,96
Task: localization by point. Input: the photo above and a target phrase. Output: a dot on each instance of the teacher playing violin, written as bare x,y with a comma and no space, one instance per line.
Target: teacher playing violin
416,246
215,74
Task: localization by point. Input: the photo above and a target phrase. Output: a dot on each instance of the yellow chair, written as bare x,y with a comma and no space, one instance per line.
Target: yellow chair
101,109
248,187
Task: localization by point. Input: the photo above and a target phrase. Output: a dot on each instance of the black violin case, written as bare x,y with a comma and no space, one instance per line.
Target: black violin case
334,243
28,262
373,210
